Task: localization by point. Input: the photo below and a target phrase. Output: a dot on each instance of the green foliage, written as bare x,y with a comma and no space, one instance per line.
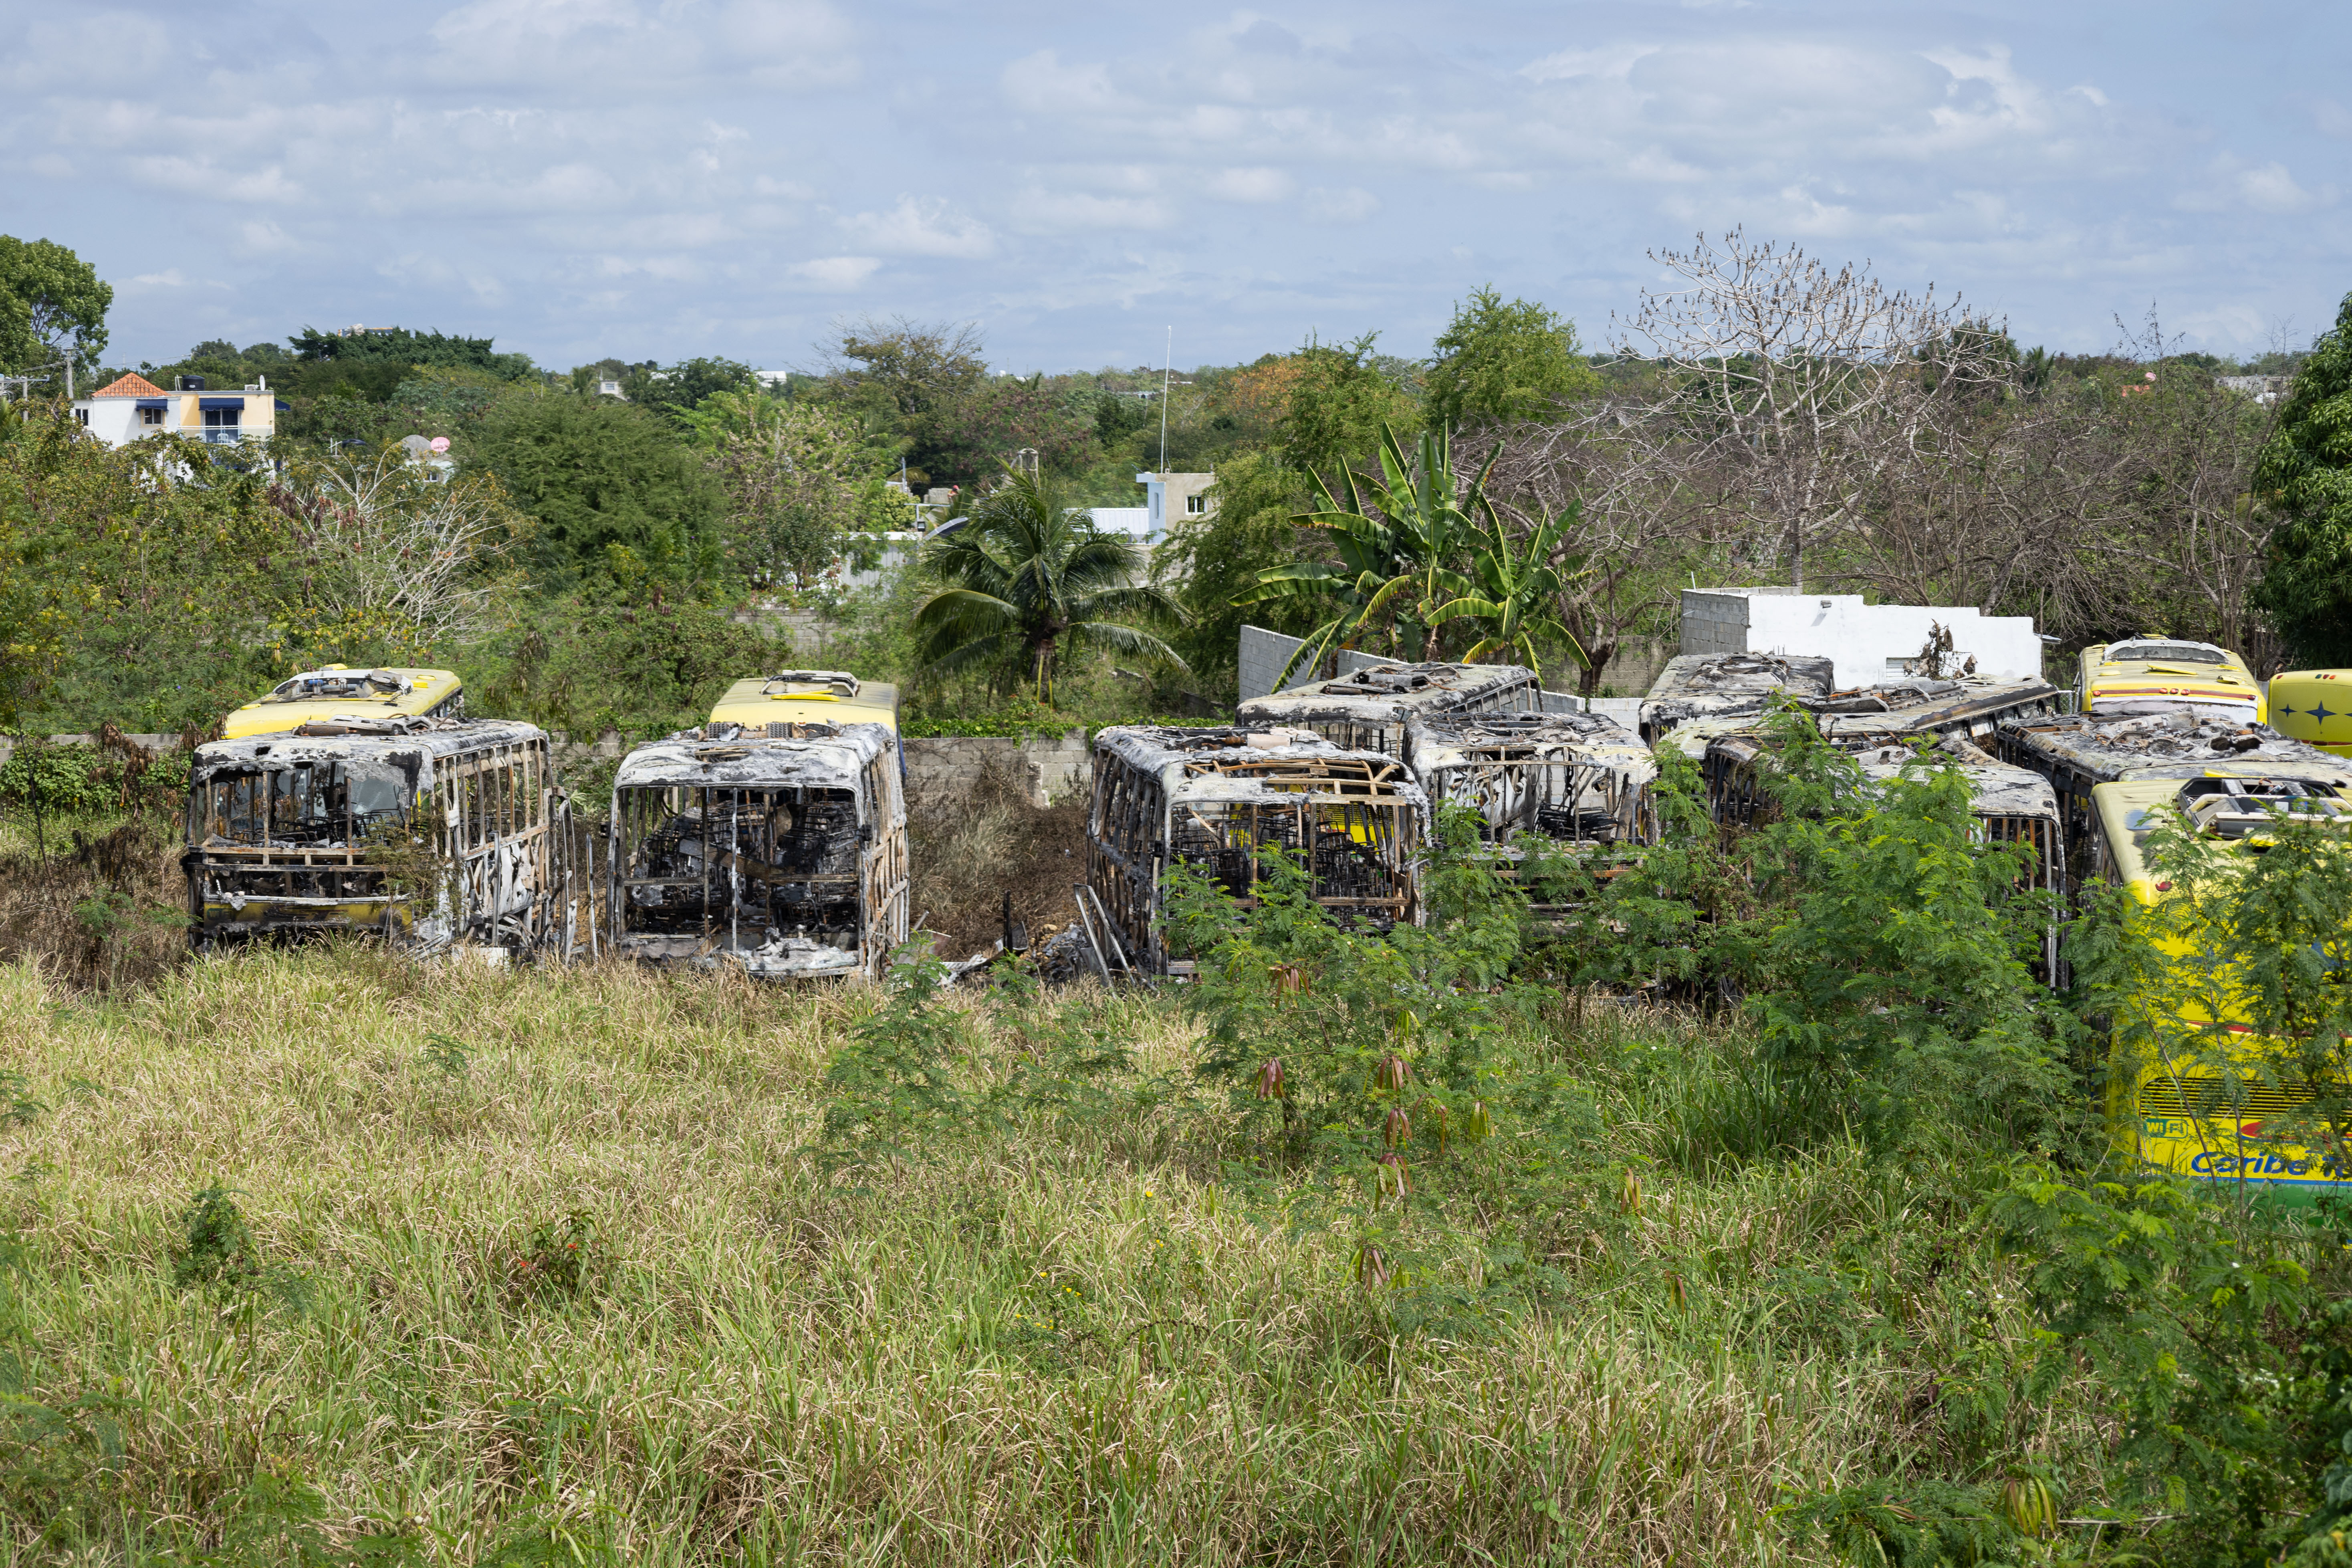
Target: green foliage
401,347
2305,475
600,475
1212,562
1515,595
446,1055
1398,537
1027,577
641,662
1912,1523
52,309
1503,363
798,477
561,1259
894,1086
1338,405
57,778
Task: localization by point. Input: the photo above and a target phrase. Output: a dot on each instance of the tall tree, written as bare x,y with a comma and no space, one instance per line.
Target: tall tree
598,474
1504,364
2305,476
1025,576
1340,402
52,309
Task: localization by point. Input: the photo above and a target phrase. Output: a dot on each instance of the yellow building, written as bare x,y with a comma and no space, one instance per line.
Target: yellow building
340,691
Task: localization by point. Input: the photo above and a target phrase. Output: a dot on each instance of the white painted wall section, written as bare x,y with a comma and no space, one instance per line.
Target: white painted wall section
1868,643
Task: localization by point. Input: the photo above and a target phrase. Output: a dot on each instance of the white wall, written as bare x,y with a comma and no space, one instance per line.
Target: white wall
1866,642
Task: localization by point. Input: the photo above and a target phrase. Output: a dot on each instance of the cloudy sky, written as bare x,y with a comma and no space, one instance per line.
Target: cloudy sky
660,178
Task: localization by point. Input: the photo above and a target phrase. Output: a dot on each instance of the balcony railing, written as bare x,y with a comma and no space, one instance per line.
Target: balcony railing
223,436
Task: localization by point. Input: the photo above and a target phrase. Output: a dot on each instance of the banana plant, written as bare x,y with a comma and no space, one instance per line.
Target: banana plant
1396,535
1513,594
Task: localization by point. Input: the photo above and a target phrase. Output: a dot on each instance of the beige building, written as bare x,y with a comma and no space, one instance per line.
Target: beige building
133,407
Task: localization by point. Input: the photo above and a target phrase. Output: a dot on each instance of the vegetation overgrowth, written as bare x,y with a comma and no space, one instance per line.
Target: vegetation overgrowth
1753,1235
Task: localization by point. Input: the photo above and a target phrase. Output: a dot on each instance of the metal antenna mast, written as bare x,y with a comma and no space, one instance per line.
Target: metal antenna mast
1166,366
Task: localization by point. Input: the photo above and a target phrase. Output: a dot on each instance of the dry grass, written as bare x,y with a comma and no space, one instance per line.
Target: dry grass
1029,1352
97,900
968,853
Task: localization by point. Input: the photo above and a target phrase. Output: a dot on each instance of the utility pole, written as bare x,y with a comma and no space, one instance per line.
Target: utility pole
1167,366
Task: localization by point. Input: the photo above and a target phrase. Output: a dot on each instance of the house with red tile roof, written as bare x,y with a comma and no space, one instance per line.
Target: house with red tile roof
131,408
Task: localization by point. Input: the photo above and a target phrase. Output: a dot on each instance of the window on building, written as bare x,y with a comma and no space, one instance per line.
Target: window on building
82,415
1196,506
151,416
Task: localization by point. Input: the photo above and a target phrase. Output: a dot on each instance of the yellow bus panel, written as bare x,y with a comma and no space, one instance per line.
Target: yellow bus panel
2165,675
2314,705
337,690
807,697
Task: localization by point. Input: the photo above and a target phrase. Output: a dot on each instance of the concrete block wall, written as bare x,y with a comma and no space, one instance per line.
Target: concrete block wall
944,769
1262,654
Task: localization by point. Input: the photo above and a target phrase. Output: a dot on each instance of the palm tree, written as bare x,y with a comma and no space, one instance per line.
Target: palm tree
1396,534
1513,597
1026,575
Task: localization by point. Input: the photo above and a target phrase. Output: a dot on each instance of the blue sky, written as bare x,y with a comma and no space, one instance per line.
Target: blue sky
660,178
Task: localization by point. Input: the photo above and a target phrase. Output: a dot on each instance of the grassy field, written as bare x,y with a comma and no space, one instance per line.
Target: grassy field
540,1271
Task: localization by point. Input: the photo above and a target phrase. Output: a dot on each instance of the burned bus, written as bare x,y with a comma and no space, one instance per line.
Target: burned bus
1365,709
780,851
1702,686
337,691
1218,798
1577,778
1923,709
2078,752
429,830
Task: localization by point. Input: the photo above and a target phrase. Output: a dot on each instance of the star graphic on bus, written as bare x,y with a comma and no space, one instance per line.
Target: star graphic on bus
2323,711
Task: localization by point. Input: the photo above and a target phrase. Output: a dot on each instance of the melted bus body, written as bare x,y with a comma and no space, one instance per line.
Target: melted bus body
292,834
2168,675
782,854
2078,752
1216,798
1697,688
1367,710
1576,778
2230,1121
339,693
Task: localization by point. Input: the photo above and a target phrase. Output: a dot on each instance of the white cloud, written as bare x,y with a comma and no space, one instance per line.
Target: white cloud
1259,185
920,228
2271,189
1042,84
1352,205
833,273
1037,211
1614,61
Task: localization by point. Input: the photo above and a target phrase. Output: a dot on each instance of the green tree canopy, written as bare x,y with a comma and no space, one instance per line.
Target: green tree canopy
52,308
400,346
2305,473
1027,574
1339,403
599,474
1504,364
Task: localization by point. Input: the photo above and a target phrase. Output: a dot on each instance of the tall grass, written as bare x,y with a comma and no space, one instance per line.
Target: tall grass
1067,1345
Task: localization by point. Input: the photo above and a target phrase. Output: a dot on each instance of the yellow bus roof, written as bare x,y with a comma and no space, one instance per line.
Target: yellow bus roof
2156,675
336,688
803,696
2128,812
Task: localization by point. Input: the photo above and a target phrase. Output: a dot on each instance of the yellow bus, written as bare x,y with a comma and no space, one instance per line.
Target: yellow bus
2314,705
2169,675
771,704
338,691
2214,1120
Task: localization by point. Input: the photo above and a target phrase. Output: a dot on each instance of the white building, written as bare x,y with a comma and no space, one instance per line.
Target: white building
132,407
1867,643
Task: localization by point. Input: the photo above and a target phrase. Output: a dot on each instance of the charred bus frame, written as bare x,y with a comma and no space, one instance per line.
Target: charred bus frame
301,832
2078,752
1577,778
1217,798
784,854
1366,711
